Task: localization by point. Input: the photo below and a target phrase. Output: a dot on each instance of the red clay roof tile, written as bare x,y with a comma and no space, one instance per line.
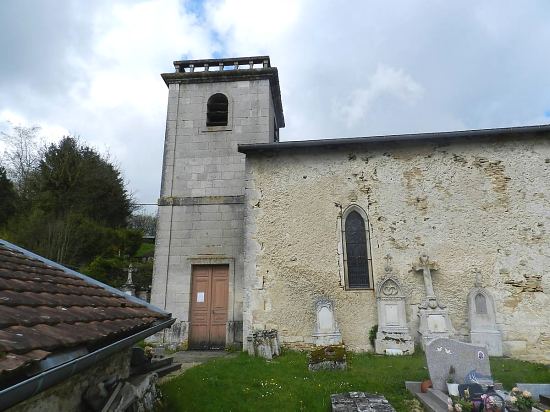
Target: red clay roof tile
44,310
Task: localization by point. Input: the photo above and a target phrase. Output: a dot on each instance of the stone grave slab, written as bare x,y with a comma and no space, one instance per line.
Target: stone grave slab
359,402
536,389
328,358
469,362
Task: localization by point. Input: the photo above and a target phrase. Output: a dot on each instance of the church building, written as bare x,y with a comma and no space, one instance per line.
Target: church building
420,235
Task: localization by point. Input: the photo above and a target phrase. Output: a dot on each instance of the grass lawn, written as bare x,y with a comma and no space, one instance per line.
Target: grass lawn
251,384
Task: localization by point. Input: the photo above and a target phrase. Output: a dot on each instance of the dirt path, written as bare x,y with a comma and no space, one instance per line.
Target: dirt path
191,358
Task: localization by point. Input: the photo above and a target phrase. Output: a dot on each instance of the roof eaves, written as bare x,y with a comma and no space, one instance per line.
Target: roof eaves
26,389
83,277
402,138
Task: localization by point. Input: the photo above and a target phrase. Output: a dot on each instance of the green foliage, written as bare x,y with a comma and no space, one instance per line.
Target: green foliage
372,334
245,383
146,250
511,371
69,203
8,197
74,207
462,404
113,271
73,178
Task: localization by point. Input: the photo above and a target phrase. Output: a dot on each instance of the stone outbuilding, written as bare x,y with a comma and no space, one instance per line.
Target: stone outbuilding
63,333
253,231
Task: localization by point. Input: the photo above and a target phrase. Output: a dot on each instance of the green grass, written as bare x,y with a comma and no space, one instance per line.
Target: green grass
245,383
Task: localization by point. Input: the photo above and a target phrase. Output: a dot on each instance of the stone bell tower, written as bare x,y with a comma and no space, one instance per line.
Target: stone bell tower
213,106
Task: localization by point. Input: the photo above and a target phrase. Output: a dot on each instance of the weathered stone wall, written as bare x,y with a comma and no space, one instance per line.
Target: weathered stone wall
201,206
67,395
469,205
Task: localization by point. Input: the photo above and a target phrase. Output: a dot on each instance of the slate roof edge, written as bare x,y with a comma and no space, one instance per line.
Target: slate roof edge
38,383
88,279
397,138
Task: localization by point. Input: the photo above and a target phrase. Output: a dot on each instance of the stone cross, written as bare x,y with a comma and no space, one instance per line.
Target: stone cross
426,266
478,282
131,270
388,260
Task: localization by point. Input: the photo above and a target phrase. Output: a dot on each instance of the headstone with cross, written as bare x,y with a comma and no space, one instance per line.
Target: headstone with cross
129,287
434,318
393,335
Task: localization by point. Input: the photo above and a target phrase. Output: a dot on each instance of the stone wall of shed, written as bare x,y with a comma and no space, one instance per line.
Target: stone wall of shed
468,205
67,395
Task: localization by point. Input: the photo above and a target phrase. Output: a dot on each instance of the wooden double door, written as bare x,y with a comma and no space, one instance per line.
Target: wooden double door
209,298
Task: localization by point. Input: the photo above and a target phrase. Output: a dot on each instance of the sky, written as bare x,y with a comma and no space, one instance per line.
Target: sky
346,68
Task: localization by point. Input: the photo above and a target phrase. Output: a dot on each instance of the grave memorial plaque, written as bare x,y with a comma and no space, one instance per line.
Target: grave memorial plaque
470,362
326,330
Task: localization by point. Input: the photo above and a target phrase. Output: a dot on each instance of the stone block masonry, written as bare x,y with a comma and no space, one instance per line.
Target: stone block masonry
201,203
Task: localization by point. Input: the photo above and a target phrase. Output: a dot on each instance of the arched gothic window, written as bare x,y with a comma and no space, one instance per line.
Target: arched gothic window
357,259
216,110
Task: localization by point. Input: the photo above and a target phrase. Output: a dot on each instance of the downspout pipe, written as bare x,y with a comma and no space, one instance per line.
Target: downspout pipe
38,383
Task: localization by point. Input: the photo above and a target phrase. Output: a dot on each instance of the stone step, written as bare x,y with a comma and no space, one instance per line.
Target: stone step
431,403
439,396
433,400
154,365
167,369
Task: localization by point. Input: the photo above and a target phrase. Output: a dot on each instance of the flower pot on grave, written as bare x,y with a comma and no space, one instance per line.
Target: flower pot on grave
425,385
452,389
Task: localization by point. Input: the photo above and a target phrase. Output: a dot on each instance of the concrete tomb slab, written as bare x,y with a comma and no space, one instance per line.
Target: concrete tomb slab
467,363
536,389
482,319
359,402
393,332
326,330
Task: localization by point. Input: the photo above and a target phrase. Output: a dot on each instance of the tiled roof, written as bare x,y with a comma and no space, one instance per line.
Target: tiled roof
45,309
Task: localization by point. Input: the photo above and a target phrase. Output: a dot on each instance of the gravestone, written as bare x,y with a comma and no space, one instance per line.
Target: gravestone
359,402
393,335
264,344
434,318
326,329
482,318
129,288
469,363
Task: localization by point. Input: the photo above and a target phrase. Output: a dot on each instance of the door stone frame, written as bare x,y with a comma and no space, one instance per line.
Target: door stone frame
205,261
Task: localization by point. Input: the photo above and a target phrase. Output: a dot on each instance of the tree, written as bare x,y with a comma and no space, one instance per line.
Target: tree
73,178
76,207
8,197
144,222
22,154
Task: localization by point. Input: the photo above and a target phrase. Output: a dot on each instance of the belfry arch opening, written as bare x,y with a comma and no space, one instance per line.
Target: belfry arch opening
217,110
